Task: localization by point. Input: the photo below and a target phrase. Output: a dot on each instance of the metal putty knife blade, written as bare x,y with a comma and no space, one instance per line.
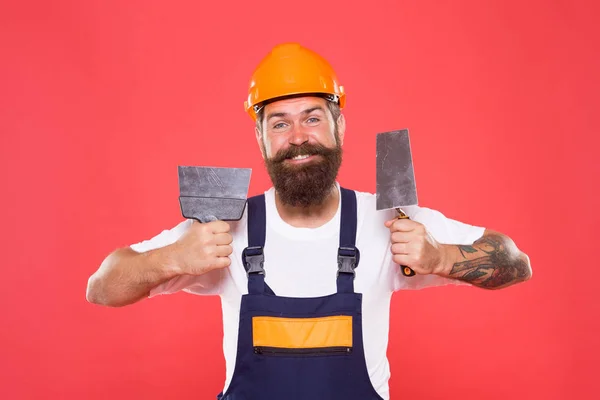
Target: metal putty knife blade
209,193
396,186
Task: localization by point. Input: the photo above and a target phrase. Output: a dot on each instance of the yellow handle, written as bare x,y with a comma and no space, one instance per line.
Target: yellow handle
406,271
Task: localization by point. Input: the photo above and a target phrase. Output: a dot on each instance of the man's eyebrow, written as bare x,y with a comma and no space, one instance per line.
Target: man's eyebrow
282,114
315,108
277,114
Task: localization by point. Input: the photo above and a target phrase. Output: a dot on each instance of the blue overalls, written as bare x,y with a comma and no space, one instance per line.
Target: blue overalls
300,348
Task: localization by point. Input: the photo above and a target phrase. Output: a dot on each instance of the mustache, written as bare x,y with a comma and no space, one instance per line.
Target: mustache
304,149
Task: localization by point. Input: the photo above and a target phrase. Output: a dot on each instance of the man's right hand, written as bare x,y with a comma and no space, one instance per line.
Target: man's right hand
203,247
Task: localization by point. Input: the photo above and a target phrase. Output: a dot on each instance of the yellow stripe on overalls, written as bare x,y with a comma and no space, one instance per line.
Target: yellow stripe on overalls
298,333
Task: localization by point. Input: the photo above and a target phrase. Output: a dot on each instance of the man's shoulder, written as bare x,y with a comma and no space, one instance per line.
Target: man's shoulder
361,195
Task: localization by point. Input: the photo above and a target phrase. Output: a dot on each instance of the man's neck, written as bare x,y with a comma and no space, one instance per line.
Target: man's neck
311,216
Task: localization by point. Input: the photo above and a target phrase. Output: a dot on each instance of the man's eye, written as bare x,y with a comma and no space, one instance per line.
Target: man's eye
279,125
313,119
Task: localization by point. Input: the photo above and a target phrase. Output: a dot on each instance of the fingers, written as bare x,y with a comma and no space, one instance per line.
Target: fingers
222,253
218,226
223,238
402,225
218,262
410,248
401,237
405,260
400,248
223,250
223,262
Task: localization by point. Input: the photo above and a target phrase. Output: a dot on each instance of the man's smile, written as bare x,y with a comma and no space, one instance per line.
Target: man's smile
301,159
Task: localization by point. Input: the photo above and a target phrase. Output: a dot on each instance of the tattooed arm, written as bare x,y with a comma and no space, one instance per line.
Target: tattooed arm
492,262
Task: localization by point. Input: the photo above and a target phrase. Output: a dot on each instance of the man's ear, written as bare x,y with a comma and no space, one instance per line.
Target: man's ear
259,140
258,134
341,128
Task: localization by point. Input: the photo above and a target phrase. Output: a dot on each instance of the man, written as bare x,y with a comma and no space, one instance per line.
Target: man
306,276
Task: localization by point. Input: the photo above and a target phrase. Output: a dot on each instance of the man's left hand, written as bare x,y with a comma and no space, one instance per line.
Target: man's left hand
414,247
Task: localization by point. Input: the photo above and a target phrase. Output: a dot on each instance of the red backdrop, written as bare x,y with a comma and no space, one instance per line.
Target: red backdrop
101,100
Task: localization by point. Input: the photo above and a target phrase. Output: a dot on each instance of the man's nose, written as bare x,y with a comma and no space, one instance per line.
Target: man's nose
298,135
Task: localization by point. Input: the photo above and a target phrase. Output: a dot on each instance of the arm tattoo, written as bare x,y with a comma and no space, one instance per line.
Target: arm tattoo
491,262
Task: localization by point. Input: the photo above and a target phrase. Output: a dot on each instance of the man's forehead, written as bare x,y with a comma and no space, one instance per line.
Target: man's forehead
295,105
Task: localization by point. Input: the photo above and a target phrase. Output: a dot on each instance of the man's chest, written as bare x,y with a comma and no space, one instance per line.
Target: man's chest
310,268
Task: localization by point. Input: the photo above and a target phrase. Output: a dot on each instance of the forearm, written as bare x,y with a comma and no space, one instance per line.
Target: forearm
492,262
126,276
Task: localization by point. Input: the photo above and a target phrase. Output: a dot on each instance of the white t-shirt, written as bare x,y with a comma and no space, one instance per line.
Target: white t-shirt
302,262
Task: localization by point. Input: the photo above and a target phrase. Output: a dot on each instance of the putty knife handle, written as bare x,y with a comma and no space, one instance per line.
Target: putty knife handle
406,271
207,218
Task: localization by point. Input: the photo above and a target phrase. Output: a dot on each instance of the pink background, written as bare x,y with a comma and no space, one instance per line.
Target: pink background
101,100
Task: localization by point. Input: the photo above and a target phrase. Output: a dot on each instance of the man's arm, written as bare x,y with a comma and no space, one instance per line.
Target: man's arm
126,276
492,262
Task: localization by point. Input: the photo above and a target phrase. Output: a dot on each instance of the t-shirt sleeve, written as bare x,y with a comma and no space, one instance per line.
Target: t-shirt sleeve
446,231
206,284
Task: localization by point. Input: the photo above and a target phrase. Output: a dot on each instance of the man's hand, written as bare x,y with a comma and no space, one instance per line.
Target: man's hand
203,247
415,248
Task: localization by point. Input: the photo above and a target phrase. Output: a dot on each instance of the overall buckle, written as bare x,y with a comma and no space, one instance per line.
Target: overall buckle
254,260
347,260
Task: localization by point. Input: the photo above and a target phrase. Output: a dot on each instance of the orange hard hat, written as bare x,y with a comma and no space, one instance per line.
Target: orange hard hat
291,69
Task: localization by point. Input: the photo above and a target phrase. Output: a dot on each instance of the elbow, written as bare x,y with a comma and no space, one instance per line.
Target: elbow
510,274
522,266
100,293
96,294
93,293
99,289
528,272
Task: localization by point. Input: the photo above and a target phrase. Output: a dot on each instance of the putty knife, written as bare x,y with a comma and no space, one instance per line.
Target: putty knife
395,175
213,193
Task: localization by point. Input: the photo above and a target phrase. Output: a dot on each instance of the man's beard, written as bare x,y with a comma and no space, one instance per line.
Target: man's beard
308,183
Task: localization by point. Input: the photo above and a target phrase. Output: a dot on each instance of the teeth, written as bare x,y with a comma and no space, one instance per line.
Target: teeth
302,157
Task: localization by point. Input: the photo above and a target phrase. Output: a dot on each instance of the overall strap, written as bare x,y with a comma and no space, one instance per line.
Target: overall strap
253,256
348,254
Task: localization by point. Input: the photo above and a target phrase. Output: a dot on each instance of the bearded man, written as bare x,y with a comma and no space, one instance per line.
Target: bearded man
307,275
